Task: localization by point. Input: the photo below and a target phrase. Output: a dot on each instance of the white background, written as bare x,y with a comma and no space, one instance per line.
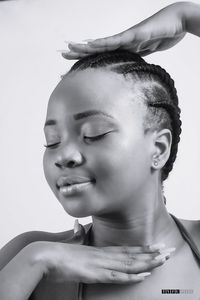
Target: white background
30,67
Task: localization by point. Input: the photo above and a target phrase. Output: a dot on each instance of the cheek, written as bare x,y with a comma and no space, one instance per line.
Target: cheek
125,165
46,165
49,172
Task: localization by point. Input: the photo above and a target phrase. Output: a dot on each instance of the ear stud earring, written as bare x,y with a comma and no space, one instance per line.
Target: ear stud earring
155,163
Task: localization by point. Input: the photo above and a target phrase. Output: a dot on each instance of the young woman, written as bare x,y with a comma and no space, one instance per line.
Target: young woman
112,131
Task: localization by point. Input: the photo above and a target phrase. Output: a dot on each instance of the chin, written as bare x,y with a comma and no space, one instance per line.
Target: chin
76,211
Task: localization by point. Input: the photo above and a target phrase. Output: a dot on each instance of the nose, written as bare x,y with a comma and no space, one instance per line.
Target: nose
69,157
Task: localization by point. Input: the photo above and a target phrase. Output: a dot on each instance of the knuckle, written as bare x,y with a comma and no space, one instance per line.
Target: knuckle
132,278
113,276
142,266
129,277
149,265
102,253
156,263
147,248
132,256
124,250
127,265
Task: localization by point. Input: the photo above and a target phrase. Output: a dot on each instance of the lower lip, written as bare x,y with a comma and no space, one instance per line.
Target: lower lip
74,188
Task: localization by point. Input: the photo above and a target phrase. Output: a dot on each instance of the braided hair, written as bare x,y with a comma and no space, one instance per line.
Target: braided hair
159,92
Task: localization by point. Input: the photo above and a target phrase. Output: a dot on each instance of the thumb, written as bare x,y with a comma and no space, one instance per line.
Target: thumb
79,234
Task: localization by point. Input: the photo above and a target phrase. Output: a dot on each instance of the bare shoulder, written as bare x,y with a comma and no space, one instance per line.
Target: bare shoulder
20,241
193,227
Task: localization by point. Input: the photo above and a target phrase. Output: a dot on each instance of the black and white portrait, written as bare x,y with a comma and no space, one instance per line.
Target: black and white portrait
100,150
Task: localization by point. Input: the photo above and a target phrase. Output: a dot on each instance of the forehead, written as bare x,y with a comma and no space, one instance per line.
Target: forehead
95,89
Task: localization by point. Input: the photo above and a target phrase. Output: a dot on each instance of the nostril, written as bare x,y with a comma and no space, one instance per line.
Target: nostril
93,180
71,164
57,165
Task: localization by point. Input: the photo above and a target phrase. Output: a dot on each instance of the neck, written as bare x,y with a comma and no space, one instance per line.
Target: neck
138,227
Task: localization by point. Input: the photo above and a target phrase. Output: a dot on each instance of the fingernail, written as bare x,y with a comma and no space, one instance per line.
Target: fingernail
170,250
158,246
71,42
144,274
63,51
67,55
162,256
88,40
92,43
76,226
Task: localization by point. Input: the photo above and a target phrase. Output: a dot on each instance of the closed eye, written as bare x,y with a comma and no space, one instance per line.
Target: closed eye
51,145
96,137
89,138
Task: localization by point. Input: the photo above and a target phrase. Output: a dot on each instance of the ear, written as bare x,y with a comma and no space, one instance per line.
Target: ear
162,147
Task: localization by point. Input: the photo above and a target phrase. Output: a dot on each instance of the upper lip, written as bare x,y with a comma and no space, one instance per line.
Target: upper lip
68,180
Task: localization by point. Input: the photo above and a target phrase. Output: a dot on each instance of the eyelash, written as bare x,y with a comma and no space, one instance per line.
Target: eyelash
95,138
91,138
52,145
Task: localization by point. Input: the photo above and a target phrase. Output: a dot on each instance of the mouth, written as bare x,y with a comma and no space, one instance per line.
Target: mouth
74,188
72,185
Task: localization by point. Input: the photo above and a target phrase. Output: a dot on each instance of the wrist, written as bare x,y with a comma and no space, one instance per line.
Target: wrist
190,16
180,9
39,253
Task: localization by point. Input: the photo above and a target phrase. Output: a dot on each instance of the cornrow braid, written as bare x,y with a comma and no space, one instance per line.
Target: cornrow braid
161,97
157,71
104,59
176,131
171,107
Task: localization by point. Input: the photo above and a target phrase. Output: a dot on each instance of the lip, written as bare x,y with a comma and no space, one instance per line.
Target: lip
69,190
72,184
72,180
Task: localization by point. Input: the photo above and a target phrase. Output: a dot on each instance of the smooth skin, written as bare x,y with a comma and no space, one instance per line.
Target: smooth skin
125,201
159,32
74,149
46,266
40,254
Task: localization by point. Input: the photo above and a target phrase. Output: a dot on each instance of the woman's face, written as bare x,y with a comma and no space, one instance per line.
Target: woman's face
100,159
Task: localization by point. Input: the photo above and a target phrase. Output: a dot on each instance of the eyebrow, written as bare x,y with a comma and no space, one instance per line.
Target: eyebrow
90,113
82,115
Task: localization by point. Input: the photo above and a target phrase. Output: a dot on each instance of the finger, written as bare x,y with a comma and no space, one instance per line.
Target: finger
73,55
87,49
145,53
134,266
78,237
119,256
115,40
134,249
78,55
112,276
140,52
136,257
79,48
